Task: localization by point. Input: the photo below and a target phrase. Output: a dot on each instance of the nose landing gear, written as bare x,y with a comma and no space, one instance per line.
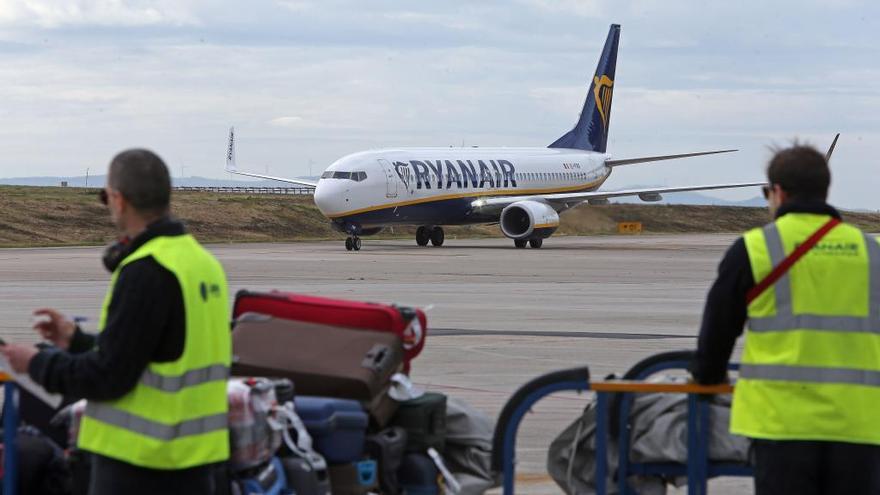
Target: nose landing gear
353,243
434,235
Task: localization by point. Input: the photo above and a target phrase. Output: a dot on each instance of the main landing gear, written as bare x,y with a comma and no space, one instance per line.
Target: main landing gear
434,235
353,243
535,243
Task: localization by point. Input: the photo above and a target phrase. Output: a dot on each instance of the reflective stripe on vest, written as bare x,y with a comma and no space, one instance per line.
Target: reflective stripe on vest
189,379
785,319
813,374
153,429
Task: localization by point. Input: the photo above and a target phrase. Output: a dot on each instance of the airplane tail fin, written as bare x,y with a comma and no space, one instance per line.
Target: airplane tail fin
230,151
591,131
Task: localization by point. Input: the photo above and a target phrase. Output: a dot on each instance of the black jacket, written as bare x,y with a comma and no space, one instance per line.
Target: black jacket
145,323
725,314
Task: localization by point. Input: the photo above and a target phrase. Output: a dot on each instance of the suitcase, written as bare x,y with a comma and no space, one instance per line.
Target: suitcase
388,447
320,359
354,478
303,479
338,427
252,439
268,479
418,475
410,324
424,420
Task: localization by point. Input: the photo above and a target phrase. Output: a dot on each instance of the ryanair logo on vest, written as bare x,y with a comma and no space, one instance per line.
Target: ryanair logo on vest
603,87
456,174
834,248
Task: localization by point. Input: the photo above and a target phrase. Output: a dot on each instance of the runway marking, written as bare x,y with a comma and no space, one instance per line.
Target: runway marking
451,332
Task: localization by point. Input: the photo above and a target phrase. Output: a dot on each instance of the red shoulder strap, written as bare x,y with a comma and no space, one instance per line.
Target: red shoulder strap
792,258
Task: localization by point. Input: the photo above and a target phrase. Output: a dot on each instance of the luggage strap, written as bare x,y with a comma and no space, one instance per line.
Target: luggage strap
303,445
790,260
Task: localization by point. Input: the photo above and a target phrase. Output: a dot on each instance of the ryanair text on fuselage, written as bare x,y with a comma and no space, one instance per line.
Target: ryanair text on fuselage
448,174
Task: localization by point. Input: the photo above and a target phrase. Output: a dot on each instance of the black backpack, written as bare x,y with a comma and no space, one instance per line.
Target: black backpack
42,468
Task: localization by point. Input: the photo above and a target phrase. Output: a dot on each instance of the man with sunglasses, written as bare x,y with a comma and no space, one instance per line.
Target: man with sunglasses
808,288
155,374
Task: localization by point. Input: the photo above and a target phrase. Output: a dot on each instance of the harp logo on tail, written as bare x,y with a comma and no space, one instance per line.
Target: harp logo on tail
602,89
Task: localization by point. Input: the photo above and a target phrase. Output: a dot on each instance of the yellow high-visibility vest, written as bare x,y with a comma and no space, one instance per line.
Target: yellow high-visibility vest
811,364
176,416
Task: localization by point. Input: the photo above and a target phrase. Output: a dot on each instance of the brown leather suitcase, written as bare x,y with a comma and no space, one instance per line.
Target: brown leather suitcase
321,360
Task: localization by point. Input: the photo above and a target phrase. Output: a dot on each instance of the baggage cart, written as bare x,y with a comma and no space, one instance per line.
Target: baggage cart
10,429
698,468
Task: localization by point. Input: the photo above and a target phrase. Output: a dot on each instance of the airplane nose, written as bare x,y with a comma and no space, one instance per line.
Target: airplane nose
322,196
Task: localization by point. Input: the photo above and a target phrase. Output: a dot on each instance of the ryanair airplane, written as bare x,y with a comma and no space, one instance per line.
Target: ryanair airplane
523,190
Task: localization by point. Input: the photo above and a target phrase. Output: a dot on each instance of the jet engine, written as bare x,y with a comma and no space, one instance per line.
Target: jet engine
529,219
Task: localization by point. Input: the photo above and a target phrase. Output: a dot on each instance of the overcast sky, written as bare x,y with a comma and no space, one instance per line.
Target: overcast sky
308,82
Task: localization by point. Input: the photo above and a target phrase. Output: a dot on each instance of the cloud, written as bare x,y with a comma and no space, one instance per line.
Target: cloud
581,8
51,14
306,80
287,121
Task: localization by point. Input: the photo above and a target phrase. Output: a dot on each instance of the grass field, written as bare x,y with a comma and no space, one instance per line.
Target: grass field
55,216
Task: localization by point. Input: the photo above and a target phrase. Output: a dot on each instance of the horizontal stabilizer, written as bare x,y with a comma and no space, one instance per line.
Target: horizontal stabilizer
631,161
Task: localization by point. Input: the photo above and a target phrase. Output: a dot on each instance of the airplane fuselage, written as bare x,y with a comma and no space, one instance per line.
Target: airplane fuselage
437,186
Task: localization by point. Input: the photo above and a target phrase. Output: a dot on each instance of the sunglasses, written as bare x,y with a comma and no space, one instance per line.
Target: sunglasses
102,196
766,190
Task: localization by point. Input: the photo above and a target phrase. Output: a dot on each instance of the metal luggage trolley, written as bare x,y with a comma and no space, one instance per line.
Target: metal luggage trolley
10,429
614,397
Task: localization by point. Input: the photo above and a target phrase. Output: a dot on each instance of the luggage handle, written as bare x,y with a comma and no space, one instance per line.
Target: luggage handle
378,358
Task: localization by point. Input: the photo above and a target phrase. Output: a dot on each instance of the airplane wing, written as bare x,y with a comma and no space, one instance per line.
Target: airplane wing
569,200
631,161
231,168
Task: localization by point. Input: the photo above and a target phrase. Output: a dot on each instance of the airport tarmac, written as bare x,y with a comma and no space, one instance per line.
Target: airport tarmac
498,316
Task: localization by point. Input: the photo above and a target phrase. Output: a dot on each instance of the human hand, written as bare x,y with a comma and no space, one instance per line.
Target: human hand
19,356
54,327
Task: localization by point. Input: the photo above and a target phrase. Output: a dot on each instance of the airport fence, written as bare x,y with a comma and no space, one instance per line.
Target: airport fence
304,191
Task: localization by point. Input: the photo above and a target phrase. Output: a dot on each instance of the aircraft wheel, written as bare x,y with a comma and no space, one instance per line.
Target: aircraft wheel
356,243
520,243
536,243
348,244
423,236
438,236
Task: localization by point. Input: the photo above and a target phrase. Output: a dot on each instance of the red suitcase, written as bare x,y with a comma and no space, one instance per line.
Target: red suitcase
409,323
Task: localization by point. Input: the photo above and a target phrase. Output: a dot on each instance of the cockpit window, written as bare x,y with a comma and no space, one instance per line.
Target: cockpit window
355,176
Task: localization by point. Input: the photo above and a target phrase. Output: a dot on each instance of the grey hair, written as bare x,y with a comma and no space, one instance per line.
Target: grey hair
143,179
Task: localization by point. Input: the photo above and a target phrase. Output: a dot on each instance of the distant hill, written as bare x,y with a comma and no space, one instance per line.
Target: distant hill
45,216
684,198
690,198
99,180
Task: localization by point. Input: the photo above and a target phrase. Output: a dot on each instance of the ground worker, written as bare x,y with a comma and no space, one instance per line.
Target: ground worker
809,384
155,375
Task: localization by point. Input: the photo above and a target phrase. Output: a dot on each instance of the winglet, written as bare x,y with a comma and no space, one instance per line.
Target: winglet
230,151
831,149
